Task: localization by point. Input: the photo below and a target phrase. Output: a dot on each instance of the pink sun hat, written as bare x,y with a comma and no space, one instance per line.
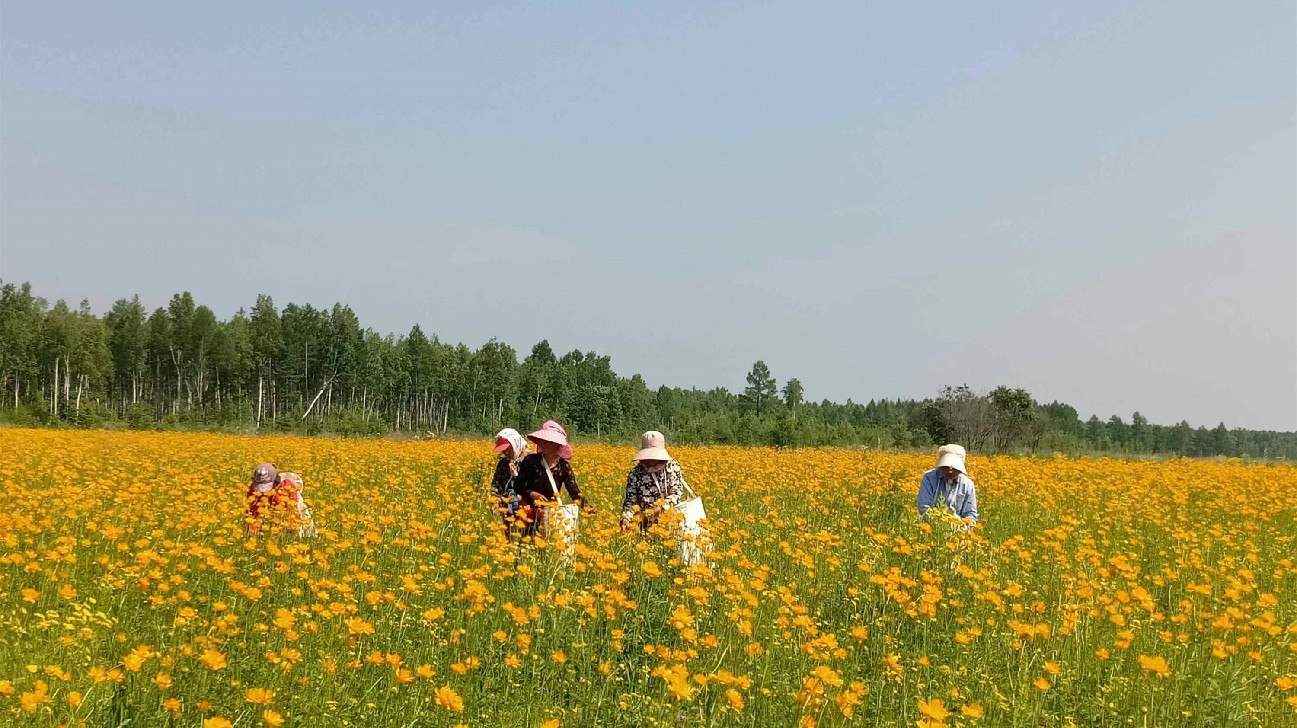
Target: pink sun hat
652,446
553,432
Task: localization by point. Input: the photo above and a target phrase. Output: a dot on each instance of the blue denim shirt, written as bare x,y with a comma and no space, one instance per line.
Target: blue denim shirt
959,495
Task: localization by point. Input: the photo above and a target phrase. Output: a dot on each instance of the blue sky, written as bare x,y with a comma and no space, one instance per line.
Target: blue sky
1096,201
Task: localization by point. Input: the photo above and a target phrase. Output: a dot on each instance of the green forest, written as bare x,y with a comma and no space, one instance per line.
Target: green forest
314,371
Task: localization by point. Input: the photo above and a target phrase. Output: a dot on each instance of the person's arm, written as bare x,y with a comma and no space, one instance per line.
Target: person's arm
501,477
629,501
524,485
969,509
569,482
927,493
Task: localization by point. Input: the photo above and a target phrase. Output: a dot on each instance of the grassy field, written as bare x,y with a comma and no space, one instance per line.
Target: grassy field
1095,592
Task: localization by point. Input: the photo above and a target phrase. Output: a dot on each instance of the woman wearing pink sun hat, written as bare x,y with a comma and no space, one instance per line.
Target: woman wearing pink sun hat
544,472
655,483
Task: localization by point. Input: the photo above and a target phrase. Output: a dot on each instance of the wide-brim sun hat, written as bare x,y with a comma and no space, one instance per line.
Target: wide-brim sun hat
553,432
652,446
952,456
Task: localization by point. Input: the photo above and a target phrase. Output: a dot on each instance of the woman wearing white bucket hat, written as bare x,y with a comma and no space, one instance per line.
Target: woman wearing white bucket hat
655,482
948,484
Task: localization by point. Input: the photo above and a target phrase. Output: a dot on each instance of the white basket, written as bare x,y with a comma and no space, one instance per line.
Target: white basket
560,522
691,536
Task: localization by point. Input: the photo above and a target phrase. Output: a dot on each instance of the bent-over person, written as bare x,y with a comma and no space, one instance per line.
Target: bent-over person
655,483
948,485
545,472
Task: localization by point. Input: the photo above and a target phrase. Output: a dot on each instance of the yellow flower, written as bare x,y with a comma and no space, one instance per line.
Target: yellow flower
973,711
213,660
217,722
934,709
651,569
449,699
162,680
551,723
1052,668
172,705
74,699
1155,664
356,625
259,696
36,698
1041,683
734,698
560,657
272,719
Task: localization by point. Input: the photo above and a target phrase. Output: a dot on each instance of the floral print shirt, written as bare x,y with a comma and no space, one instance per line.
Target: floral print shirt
645,489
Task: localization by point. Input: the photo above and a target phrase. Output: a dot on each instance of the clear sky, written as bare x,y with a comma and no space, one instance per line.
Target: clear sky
1093,200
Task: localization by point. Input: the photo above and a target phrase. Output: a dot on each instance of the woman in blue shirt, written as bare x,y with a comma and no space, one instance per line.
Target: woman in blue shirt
948,484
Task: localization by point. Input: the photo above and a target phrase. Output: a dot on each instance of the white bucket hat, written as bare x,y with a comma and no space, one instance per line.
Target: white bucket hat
652,446
951,456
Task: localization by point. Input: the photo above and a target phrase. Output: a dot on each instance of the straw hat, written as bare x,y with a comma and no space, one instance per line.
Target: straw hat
652,446
553,432
951,456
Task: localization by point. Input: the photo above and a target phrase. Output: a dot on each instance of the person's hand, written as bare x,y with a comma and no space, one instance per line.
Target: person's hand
589,507
625,524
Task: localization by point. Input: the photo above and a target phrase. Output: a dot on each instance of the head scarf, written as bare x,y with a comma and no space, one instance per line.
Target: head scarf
515,441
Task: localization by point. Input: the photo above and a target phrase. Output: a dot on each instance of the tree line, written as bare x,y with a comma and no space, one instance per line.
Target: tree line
313,370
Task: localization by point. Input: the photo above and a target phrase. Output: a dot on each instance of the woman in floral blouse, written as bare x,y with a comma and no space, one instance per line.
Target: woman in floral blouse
654,483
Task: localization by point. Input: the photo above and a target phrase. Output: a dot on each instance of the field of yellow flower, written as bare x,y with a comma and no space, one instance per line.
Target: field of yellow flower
1095,592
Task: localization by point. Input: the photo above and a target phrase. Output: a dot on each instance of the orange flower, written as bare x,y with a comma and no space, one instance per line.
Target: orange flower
36,698
934,709
449,699
734,698
259,696
272,719
213,660
1155,664
356,625
217,722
